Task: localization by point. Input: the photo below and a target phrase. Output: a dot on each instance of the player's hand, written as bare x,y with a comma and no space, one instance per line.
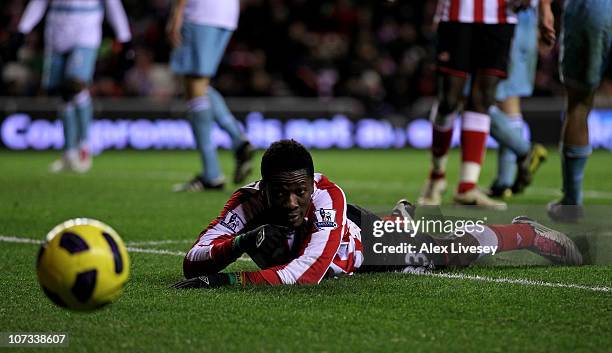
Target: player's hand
173,31
266,245
548,35
205,281
127,53
263,238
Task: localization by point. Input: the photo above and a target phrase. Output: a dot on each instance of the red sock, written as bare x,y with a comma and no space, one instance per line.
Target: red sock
474,132
440,144
513,236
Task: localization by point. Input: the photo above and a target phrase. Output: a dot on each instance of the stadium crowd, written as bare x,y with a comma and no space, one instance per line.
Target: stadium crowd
379,52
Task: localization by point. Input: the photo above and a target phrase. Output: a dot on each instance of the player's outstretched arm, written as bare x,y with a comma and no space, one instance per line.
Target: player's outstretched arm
309,268
212,253
210,281
266,241
225,239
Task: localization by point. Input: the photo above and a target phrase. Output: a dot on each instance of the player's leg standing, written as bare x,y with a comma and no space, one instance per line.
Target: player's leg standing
489,49
507,119
585,52
200,30
474,132
197,59
69,74
224,118
200,116
510,126
453,68
243,150
80,67
53,76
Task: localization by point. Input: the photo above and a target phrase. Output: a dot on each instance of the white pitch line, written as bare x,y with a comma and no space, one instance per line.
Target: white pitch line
158,242
155,251
524,282
11,239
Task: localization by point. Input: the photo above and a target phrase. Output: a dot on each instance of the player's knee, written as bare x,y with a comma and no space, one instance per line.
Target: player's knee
488,98
450,95
579,96
443,120
70,88
483,95
481,100
477,104
447,105
196,86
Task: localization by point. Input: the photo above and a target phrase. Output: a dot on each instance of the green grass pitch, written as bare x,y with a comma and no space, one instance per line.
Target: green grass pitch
363,313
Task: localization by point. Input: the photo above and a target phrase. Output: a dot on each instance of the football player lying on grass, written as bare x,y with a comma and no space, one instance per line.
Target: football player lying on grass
297,227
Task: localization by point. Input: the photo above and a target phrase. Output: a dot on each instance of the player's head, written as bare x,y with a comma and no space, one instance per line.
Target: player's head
287,175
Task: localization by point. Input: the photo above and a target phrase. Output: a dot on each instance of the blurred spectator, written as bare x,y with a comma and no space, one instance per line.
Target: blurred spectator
377,51
147,78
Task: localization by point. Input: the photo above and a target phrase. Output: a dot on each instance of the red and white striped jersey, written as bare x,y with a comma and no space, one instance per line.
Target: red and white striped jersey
476,11
330,244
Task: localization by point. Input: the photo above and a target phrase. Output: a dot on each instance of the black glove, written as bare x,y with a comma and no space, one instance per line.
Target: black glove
266,245
208,281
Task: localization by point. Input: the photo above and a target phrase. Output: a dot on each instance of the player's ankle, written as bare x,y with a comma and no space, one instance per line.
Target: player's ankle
437,175
465,187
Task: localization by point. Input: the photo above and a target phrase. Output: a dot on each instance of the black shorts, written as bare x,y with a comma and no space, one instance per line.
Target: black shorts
470,48
397,262
373,262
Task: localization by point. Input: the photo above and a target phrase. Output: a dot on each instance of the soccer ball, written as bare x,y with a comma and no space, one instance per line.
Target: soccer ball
82,265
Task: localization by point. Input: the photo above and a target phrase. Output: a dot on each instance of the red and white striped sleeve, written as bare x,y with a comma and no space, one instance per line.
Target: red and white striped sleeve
212,251
329,204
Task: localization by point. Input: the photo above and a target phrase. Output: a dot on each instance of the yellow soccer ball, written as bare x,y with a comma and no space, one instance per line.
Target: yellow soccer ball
83,264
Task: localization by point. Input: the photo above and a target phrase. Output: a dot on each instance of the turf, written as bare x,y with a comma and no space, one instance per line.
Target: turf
363,313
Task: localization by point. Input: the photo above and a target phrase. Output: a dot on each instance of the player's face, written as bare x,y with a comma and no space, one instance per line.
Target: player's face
289,195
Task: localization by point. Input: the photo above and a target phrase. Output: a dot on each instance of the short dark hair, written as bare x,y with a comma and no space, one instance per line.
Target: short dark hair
286,156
